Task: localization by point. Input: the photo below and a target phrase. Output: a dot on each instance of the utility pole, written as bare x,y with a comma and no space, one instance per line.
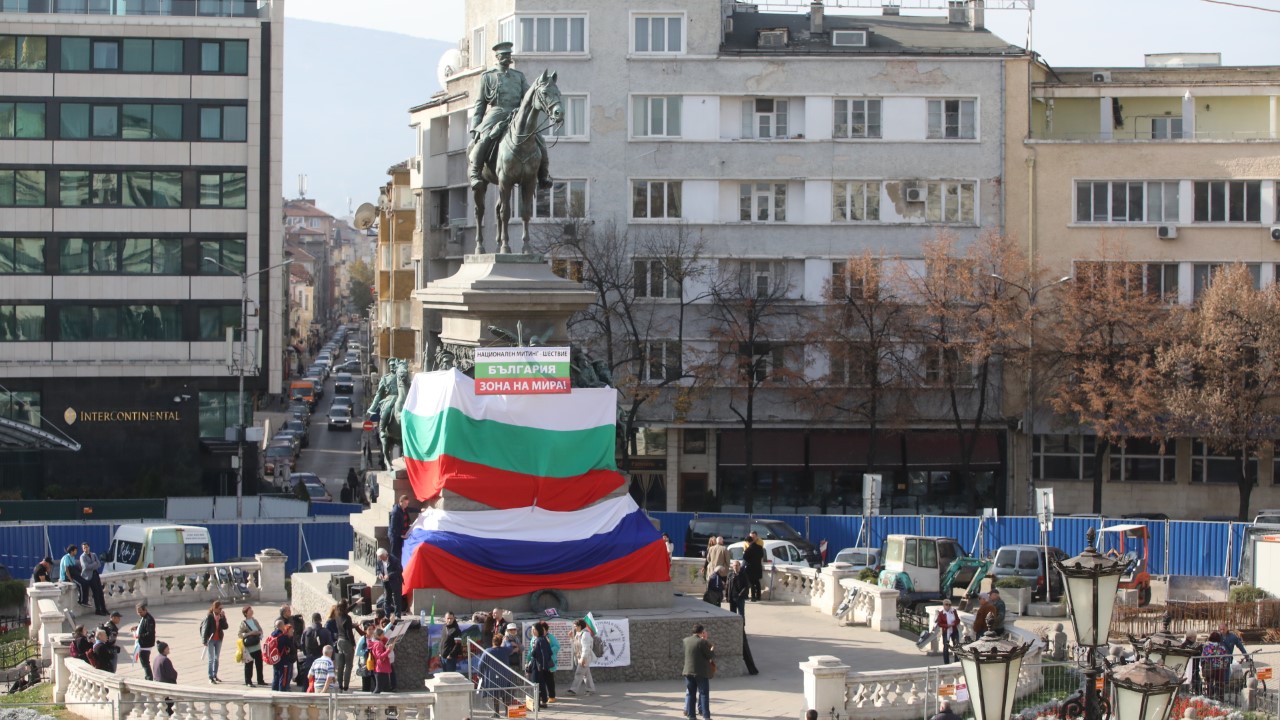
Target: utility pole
240,370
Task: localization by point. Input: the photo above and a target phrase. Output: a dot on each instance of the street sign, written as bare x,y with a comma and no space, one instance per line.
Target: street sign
1264,673
871,494
1044,508
368,425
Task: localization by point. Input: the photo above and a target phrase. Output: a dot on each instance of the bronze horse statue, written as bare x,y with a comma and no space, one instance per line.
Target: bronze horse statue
516,161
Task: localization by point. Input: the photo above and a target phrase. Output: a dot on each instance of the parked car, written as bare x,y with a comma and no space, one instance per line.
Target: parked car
343,384
348,367
1266,517
1028,562
299,427
289,436
776,552
734,529
325,565
339,418
859,558
301,412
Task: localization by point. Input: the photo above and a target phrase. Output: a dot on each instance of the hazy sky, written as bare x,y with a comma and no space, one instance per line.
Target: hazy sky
1067,32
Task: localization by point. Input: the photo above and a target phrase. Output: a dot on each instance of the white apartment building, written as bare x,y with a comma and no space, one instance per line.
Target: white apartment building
786,142
140,162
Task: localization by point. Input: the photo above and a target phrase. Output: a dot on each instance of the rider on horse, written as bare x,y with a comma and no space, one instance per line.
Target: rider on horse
501,90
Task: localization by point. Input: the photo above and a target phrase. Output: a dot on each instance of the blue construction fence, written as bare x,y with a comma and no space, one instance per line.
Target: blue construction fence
22,545
1176,547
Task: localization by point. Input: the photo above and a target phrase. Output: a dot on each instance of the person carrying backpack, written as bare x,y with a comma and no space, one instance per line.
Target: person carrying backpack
583,655
280,651
81,645
314,638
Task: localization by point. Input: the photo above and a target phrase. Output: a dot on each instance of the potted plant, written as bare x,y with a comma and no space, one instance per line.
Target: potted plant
1016,592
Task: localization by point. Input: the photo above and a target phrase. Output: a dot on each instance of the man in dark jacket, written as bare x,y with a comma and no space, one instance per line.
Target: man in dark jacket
288,656
739,589
390,575
944,712
753,557
398,526
698,656
145,633
43,571
112,630
314,638
452,647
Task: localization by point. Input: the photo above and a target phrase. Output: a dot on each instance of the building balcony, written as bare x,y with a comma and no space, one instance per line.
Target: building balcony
1132,117
154,8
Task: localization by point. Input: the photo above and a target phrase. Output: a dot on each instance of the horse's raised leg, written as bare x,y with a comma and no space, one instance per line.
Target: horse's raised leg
478,195
504,217
527,189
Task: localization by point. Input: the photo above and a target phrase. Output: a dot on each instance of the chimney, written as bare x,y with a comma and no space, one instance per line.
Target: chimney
957,12
890,9
816,17
977,14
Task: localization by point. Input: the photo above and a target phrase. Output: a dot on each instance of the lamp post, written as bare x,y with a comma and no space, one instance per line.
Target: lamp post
1143,690
1172,651
1091,581
240,368
1032,294
991,666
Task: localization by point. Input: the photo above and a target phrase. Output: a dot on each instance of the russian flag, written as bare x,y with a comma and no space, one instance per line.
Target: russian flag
487,554
509,451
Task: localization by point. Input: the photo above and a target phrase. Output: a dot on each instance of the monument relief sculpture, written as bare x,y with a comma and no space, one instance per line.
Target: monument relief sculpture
507,149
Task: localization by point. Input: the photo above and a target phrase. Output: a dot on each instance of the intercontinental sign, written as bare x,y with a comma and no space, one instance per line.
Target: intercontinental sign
72,416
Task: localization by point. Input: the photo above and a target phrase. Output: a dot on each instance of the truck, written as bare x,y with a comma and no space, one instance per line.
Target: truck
925,568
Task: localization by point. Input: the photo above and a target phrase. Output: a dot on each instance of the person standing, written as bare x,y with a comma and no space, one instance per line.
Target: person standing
511,641
211,634
90,566
162,670
104,656
112,630
948,624
314,640
389,574
714,594
945,712
343,631
381,653
43,571
738,589
82,645
718,559
452,647
753,557
996,620
288,656
1231,641
583,656
324,678
553,665
671,547
398,525
540,662
250,633
982,616
69,571
699,653
145,633
1215,666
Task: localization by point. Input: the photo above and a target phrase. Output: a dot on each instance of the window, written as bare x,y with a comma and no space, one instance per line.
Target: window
214,321
144,55
224,57
695,441
120,322
655,199
658,34
652,281
225,189
856,119
130,256
22,120
765,118
219,411
23,52
1160,280
845,283
760,278
1228,201
949,201
21,256
478,47
849,38
21,188
575,119
656,116
659,361
951,119
1126,201
23,406
1140,460
850,365
131,188
759,361
564,200
1202,275
228,122
855,201
21,323
130,121
80,54
762,202
553,34
947,366
567,268
1208,465
229,254
1166,128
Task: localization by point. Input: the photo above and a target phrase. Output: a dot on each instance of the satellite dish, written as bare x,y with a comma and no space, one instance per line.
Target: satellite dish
450,64
365,215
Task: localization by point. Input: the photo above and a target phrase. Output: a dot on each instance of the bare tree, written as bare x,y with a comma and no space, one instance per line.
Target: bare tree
1221,380
752,330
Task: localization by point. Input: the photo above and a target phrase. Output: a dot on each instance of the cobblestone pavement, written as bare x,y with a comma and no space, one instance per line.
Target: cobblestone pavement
781,636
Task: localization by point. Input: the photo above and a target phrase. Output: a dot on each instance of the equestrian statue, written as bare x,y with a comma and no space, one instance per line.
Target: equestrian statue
507,149
387,404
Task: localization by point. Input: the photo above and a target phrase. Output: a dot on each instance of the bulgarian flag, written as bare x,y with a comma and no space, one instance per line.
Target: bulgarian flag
509,451
484,554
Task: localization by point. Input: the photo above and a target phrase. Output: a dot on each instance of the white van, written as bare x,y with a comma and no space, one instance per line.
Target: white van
137,547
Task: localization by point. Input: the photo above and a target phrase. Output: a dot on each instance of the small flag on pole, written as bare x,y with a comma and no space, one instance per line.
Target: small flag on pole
591,623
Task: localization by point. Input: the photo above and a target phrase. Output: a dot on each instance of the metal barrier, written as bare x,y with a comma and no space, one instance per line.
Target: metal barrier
500,688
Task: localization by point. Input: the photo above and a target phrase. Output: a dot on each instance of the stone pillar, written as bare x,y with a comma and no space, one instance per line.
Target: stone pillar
271,577
824,683
453,696
60,645
884,614
51,623
36,593
832,591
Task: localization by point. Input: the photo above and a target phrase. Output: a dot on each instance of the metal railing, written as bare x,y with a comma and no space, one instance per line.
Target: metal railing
499,687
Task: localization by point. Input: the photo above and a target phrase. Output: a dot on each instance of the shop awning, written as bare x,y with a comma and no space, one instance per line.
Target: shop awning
19,436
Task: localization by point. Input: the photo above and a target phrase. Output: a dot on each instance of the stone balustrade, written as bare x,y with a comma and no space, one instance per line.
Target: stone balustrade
874,605
106,696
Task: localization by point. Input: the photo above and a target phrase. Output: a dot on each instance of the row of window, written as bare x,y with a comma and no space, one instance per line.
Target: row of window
127,55
200,8
123,188
1071,457
661,116
121,256
26,120
1157,201
1162,279
567,34
117,322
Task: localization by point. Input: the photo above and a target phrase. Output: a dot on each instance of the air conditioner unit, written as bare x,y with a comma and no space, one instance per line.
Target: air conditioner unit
1166,232
915,195
1102,76
1275,233
571,230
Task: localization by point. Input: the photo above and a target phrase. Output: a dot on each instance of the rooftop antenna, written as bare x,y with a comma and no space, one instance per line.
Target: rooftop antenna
302,186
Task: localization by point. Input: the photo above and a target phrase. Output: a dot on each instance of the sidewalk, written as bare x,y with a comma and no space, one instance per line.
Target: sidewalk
781,636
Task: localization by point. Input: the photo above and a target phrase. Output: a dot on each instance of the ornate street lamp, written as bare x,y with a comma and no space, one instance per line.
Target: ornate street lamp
1091,580
991,666
1143,690
1166,648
